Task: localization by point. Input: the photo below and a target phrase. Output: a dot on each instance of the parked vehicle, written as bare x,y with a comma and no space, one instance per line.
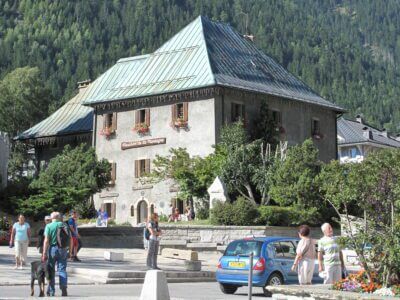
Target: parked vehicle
273,259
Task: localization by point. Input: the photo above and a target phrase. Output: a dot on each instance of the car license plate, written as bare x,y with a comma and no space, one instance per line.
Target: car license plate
237,264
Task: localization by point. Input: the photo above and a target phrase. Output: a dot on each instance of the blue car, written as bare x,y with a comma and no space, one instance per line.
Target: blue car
273,259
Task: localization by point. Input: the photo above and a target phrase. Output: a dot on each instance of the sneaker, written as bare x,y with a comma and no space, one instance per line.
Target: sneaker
77,259
20,268
64,292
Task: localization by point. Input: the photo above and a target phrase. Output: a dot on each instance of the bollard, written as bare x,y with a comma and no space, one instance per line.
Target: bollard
250,283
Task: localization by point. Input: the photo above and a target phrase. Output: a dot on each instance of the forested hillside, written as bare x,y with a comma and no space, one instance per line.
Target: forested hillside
348,51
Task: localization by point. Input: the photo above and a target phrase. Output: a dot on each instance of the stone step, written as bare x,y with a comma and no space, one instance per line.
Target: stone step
169,280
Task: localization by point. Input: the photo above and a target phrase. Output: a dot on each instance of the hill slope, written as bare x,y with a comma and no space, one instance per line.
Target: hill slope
348,51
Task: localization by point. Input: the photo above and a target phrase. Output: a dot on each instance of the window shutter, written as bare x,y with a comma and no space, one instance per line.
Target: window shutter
114,122
185,111
113,210
137,166
105,118
113,173
148,117
173,112
137,117
147,166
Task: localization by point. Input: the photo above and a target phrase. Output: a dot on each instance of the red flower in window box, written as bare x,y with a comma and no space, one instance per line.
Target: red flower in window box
180,123
280,129
318,136
141,128
106,132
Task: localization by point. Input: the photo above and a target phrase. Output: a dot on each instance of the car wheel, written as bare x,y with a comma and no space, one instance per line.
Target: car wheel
274,279
227,288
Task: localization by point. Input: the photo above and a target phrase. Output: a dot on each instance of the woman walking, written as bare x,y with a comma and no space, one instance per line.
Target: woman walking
154,241
20,236
305,256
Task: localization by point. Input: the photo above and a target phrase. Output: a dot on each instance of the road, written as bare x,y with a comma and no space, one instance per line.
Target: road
192,291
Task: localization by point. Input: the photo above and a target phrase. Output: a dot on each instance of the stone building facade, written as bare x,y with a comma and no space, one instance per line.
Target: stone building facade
204,77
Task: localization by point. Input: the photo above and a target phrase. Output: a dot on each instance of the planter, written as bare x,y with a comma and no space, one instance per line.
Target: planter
180,124
141,128
106,132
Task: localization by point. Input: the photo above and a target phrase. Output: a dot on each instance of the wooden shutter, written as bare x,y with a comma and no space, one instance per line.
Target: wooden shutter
147,114
173,112
105,118
114,122
137,167
185,111
113,210
137,117
147,166
113,173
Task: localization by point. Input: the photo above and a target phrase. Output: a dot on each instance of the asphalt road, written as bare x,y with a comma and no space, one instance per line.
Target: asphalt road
192,291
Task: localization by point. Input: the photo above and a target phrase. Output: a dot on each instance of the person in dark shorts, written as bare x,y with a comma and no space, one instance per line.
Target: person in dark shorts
73,227
39,246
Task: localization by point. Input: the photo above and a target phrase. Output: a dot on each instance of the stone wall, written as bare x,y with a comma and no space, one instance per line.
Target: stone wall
112,237
222,235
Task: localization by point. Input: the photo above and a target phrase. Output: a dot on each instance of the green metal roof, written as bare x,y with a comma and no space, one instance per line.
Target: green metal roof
71,118
204,53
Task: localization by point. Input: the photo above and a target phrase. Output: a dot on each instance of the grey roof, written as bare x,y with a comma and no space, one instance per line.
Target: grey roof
351,132
71,118
203,54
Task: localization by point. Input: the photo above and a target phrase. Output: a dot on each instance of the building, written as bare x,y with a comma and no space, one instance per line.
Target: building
356,139
4,156
205,76
71,124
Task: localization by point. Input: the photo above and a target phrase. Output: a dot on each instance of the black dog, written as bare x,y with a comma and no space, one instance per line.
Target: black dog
39,271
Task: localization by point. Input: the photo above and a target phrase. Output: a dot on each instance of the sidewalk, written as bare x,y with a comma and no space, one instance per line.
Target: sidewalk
94,269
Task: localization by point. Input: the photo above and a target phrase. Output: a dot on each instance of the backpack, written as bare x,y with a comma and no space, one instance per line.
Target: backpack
63,236
146,233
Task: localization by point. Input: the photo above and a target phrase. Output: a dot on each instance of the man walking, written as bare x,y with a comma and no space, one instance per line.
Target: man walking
73,227
56,239
330,258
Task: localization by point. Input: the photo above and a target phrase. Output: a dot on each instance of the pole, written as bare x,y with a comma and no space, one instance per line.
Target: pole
250,283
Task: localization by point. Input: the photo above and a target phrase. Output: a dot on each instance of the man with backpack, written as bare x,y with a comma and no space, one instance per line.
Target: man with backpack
152,234
55,251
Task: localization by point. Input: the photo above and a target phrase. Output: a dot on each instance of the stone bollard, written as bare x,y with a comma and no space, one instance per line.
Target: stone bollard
193,265
113,256
155,286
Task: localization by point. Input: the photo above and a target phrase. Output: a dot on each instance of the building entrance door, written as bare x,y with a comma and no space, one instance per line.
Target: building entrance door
142,210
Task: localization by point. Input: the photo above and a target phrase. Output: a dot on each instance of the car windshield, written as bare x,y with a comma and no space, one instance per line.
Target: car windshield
243,248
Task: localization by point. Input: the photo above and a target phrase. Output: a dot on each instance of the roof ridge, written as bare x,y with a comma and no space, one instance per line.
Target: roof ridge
210,68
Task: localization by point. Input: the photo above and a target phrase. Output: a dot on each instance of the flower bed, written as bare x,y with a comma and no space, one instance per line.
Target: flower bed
359,283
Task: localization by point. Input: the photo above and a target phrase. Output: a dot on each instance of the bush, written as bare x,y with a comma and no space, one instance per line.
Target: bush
240,213
202,213
287,216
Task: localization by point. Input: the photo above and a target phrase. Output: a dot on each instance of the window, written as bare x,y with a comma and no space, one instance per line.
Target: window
285,250
113,173
315,128
243,248
132,210
276,117
110,208
354,152
179,204
142,117
110,122
180,114
142,167
238,112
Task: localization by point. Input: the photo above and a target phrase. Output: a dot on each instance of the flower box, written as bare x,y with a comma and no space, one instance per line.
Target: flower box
180,123
141,128
106,132
318,136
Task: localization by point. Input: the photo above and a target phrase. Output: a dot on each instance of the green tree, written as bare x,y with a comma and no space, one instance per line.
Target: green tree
23,100
69,181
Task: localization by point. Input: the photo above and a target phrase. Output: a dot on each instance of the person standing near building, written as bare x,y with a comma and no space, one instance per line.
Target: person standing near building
47,220
73,227
330,258
56,241
20,236
154,241
305,256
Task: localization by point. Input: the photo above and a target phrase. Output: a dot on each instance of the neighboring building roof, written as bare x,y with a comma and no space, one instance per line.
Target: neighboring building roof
352,132
71,118
204,54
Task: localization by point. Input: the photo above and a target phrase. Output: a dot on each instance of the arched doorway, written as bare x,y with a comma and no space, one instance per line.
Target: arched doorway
142,211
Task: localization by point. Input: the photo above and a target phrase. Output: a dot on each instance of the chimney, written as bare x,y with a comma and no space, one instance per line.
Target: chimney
367,133
83,84
384,132
250,37
359,119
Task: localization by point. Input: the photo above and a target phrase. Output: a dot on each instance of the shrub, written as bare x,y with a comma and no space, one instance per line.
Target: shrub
287,216
241,213
202,213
